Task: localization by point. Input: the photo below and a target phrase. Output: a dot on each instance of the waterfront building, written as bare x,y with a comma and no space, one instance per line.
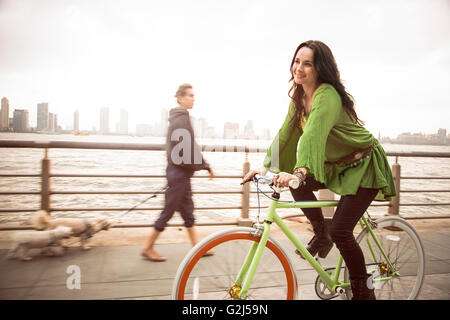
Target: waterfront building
76,121
123,124
200,127
249,132
42,116
4,115
442,135
164,122
52,122
438,138
231,130
266,134
21,120
210,132
57,127
104,120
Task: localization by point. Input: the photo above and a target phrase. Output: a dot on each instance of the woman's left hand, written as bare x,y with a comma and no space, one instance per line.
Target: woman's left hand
282,179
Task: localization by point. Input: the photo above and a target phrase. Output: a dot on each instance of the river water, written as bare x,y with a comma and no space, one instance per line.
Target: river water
28,161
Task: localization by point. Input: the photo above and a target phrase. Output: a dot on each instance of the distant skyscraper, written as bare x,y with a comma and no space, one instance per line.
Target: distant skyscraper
200,127
104,120
4,115
123,124
231,130
76,121
52,122
210,132
266,134
42,116
21,121
249,133
442,134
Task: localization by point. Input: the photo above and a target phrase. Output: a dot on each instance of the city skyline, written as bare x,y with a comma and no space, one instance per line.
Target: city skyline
48,122
119,123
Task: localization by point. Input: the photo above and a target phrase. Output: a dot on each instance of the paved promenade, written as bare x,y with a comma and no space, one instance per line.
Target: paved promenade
113,268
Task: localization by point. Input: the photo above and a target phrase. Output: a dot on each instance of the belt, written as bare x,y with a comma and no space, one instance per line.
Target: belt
355,157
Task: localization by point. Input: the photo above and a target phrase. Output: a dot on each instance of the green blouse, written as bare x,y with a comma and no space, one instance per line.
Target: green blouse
329,135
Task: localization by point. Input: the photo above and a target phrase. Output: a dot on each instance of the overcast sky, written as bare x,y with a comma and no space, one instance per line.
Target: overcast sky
394,58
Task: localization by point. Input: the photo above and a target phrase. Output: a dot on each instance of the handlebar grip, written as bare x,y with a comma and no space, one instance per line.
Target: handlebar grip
254,178
294,183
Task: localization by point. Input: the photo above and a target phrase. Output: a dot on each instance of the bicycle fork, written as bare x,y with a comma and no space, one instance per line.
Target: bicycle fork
244,279
251,262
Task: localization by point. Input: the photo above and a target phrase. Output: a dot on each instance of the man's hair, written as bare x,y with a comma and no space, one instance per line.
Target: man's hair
182,90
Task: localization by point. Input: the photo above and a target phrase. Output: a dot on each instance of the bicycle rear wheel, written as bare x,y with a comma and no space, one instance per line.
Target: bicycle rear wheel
214,277
402,279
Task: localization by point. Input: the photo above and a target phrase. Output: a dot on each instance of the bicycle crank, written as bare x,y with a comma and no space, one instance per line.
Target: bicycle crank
321,288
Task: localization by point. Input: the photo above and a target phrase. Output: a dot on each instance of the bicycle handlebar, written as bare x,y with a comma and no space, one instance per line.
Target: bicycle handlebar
294,184
260,179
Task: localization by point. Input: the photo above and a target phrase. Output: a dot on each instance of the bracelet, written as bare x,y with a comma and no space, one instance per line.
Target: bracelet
299,174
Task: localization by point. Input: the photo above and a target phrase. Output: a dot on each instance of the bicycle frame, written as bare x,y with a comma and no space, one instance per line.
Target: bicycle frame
248,269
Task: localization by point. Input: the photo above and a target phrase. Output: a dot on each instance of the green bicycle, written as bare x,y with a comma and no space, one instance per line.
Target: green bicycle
249,264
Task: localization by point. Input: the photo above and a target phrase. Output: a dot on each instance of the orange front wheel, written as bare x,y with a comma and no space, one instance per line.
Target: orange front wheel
214,277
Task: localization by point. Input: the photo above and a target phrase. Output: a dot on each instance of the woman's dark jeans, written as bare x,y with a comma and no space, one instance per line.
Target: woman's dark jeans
348,212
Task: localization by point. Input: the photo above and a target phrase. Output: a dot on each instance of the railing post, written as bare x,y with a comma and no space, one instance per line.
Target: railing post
245,205
394,204
45,183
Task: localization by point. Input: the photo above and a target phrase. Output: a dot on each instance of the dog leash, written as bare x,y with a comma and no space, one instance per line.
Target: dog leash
90,235
143,201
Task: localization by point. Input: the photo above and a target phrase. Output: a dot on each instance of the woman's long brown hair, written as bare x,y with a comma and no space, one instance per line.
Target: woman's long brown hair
328,72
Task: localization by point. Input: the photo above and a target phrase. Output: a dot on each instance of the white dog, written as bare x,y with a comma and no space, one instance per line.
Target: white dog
83,228
49,241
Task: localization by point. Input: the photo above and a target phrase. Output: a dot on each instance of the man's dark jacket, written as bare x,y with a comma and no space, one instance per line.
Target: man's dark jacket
182,150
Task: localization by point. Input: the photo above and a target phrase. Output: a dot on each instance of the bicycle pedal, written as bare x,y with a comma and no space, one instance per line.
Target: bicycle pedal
301,256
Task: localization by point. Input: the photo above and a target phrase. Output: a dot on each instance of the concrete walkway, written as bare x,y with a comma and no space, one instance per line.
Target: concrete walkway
118,271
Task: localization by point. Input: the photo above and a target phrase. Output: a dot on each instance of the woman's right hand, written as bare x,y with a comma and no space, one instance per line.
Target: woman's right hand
251,173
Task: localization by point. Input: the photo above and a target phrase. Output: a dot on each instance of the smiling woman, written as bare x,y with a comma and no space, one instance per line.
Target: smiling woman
314,63
335,152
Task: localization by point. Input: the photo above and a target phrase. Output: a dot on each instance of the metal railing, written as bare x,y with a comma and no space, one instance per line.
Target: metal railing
395,204
46,175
